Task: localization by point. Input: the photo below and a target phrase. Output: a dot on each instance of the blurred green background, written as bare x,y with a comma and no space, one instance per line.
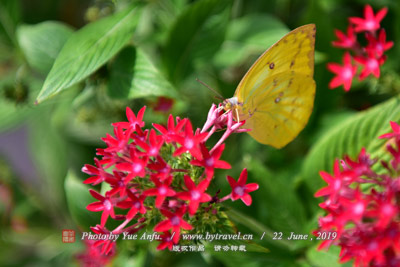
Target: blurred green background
152,49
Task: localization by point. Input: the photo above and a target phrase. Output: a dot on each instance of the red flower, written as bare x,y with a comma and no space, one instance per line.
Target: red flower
118,183
394,134
133,120
135,167
370,22
166,241
240,189
162,190
195,194
155,143
385,208
190,142
337,183
378,46
345,41
211,161
172,130
354,208
161,168
105,204
370,64
119,143
344,73
174,222
135,204
99,173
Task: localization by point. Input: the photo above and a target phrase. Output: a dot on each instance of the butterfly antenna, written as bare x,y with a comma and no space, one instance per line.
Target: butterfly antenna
218,95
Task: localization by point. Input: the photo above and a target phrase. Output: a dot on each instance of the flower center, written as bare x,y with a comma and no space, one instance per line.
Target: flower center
359,208
347,73
107,205
239,190
209,162
195,194
370,24
137,167
137,204
162,190
337,184
372,64
189,143
153,151
175,221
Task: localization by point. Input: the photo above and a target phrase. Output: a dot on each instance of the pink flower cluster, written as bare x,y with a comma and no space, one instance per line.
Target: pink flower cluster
160,173
364,207
369,58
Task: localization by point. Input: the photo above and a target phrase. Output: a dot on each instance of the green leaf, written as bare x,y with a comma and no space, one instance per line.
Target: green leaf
78,197
88,49
42,42
348,137
249,35
133,75
190,35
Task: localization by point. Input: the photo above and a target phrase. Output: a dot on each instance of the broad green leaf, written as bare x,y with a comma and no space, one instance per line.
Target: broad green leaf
42,42
78,197
133,75
249,36
88,49
188,37
348,137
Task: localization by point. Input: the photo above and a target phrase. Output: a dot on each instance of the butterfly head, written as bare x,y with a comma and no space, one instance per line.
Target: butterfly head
230,103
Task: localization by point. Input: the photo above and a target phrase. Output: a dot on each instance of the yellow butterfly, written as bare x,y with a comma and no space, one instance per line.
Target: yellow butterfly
276,96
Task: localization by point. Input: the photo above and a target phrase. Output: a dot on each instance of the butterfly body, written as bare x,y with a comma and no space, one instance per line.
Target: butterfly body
276,95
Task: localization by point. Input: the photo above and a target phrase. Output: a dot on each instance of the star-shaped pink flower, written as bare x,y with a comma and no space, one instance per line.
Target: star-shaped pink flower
210,161
370,22
195,194
135,204
370,64
348,40
106,204
162,190
133,120
171,130
174,222
378,46
241,190
344,73
189,142
136,166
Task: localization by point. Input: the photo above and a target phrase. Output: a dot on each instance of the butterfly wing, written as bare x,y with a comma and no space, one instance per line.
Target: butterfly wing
276,96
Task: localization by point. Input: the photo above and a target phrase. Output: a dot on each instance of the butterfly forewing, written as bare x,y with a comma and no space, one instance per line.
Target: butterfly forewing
276,95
